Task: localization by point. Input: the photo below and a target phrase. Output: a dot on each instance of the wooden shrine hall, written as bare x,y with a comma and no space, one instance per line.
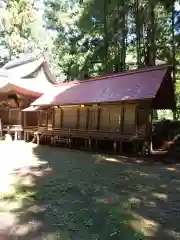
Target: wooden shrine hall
21,82
110,113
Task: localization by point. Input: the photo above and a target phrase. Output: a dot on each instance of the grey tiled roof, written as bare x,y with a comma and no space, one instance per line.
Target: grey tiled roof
26,58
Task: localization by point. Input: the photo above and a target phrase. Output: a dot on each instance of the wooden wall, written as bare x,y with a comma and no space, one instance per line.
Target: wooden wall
129,117
143,118
122,117
31,118
82,117
92,120
69,117
11,116
43,118
4,115
110,118
57,117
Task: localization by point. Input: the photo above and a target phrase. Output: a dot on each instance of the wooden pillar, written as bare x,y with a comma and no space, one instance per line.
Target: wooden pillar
120,146
69,139
47,118
89,143
24,123
62,117
122,118
98,121
28,137
1,128
24,119
53,116
87,118
16,136
52,140
77,123
86,143
38,138
25,136
96,144
150,147
115,146
136,119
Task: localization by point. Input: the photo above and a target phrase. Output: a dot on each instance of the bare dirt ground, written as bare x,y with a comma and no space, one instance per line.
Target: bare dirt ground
55,193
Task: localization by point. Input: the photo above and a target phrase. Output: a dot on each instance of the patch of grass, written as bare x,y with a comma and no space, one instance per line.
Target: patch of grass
82,199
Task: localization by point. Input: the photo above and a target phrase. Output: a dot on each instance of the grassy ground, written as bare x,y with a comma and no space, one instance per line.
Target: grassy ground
52,193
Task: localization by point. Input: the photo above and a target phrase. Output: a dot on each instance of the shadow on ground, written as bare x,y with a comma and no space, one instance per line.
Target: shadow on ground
78,195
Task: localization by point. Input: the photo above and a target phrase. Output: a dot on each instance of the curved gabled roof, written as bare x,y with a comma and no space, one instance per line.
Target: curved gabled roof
27,67
30,76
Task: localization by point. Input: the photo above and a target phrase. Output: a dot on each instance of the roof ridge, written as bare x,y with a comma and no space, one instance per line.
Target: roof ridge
21,61
129,72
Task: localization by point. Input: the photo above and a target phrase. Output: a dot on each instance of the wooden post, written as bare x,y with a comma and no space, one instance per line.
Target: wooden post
1,128
25,136
98,121
24,122
62,118
150,147
16,136
89,143
136,119
52,140
28,137
86,143
96,144
87,118
122,118
148,130
53,115
77,123
115,146
38,138
120,147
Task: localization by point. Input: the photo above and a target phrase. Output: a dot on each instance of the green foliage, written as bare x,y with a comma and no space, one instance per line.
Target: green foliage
95,37
16,24
21,28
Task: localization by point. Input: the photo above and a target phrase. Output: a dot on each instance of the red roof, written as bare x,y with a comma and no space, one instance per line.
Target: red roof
7,87
133,85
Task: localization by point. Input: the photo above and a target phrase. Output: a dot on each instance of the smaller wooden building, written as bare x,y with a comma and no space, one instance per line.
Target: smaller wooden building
112,112
21,82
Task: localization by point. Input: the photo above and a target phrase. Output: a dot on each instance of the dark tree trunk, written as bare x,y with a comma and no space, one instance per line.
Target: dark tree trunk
138,34
105,38
174,56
